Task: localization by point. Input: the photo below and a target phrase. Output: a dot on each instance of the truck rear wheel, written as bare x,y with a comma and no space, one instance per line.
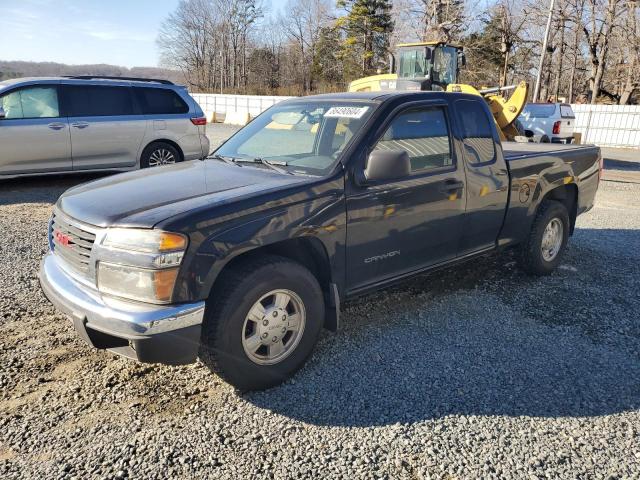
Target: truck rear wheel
542,251
262,324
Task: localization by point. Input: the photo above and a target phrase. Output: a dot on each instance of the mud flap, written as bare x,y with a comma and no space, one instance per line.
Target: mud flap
332,315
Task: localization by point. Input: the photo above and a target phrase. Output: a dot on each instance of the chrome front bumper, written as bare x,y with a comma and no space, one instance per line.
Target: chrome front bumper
149,333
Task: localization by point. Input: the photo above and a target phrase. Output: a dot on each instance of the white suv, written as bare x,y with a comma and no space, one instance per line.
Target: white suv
556,121
77,124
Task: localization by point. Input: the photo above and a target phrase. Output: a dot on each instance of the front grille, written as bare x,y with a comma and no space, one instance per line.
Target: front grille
72,243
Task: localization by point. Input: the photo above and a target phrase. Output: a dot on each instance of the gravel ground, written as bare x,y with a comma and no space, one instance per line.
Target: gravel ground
475,372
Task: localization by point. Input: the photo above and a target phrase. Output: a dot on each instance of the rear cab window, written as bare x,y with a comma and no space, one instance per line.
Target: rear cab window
477,132
539,110
566,111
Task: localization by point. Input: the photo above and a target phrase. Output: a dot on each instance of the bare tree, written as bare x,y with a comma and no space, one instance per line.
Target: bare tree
510,29
576,12
185,41
303,25
630,42
598,25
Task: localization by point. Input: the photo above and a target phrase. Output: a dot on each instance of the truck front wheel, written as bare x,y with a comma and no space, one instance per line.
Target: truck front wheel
262,324
542,251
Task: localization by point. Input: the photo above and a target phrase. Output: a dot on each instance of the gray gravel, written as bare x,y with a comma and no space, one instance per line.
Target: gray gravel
474,372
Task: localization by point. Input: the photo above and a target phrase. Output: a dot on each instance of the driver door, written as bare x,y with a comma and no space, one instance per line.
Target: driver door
401,226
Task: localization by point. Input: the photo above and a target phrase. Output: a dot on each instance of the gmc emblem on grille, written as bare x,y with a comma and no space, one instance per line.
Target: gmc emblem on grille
61,238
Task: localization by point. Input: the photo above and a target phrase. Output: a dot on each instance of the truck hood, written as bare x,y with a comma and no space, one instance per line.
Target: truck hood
146,197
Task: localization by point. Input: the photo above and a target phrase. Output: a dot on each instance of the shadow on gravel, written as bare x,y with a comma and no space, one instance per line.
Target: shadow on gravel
482,339
44,189
613,164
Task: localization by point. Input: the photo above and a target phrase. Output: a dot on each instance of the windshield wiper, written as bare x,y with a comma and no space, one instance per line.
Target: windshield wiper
229,160
273,165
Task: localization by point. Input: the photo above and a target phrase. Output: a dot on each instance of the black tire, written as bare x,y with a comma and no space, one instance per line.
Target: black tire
156,148
532,259
221,347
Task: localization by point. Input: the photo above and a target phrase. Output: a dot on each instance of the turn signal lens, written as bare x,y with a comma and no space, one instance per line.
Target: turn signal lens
172,241
163,283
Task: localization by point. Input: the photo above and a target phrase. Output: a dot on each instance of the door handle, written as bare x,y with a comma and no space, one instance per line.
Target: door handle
80,124
56,126
451,185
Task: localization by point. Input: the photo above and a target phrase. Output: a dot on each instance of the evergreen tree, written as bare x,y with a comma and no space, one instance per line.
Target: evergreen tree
327,62
367,25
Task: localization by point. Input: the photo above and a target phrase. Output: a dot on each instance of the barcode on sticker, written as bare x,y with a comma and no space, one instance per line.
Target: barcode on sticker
346,112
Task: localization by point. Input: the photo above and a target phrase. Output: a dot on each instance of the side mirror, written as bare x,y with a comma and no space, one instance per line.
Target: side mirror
387,165
2,113
463,59
427,53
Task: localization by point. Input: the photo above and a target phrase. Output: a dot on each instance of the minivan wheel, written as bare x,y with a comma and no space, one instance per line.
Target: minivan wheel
159,153
542,252
263,322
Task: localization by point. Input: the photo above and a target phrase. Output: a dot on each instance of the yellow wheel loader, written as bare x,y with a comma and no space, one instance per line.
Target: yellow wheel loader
436,66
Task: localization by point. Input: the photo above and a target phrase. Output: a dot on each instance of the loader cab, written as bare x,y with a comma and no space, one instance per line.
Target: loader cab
426,66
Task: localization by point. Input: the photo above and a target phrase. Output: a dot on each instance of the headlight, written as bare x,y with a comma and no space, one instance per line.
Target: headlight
144,266
137,283
150,241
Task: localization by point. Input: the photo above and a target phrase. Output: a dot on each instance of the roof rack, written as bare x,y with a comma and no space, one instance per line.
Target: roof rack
130,79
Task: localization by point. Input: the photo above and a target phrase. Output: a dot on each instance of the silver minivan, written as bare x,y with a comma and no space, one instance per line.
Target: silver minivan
79,124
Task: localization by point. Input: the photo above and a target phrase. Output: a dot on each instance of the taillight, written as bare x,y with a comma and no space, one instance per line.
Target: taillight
556,128
199,120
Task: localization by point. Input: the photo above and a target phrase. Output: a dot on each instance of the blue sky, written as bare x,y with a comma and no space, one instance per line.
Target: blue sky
118,32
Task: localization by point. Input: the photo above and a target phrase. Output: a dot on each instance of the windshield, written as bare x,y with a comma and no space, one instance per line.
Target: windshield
539,110
412,63
303,137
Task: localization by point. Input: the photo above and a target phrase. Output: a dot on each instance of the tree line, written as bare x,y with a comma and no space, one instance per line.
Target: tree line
17,69
593,53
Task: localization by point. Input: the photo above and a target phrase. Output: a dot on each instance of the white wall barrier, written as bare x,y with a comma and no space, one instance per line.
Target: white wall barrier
603,125
609,125
232,108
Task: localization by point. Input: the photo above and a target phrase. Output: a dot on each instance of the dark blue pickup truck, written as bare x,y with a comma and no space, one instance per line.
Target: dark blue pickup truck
242,258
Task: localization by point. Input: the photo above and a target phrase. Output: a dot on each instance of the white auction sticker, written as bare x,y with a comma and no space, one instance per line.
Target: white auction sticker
346,112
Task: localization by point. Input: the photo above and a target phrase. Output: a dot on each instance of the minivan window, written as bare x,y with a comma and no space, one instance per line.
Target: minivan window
477,132
423,134
98,101
156,101
31,102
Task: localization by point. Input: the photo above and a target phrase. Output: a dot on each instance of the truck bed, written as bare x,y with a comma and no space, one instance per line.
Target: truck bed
514,150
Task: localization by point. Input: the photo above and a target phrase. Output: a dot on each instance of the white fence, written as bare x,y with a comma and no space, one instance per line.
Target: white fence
223,104
609,125
604,125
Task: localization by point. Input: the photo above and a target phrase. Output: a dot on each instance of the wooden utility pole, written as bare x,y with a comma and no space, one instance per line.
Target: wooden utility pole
536,90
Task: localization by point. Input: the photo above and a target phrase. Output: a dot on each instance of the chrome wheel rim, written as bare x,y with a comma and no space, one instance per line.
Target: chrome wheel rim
552,239
161,156
273,327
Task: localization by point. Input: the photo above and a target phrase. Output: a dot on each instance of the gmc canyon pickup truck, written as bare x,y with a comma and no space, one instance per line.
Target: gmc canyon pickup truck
242,258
